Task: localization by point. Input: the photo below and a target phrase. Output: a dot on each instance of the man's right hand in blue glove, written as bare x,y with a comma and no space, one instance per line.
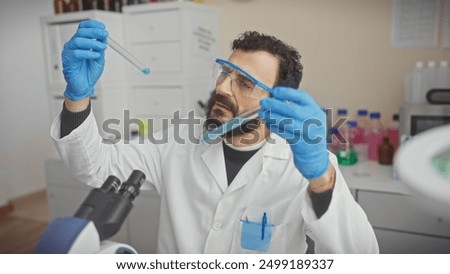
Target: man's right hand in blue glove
83,59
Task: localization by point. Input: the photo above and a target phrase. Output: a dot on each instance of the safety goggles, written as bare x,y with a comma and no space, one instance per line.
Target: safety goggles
241,82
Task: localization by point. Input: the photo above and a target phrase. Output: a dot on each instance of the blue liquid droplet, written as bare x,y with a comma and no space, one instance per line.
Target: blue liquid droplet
146,71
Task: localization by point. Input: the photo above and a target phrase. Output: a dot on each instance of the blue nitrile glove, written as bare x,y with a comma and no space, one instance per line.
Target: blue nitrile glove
83,59
296,117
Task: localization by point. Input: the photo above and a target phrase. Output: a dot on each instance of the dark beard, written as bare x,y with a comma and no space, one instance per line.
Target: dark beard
212,123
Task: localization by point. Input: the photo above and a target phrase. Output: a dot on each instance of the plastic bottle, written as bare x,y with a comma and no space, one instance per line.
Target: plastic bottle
443,75
392,131
385,152
342,112
346,155
360,141
333,146
430,81
374,135
418,78
362,120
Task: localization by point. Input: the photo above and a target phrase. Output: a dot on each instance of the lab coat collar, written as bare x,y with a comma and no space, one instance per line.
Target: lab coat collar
276,147
213,158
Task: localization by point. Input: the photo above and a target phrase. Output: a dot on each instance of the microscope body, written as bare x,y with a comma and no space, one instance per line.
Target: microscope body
98,218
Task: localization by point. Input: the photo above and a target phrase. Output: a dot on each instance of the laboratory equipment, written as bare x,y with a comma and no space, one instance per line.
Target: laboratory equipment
443,76
419,83
98,218
342,112
248,86
360,141
341,121
385,152
128,56
213,134
346,155
363,122
439,96
241,82
392,131
415,119
416,167
374,135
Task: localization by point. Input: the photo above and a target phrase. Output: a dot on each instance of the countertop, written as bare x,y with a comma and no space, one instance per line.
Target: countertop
372,176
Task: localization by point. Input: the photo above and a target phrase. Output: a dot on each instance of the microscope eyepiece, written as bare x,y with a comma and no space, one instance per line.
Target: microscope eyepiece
111,184
131,187
109,205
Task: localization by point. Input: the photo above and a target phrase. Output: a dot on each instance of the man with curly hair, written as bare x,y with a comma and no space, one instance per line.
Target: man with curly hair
262,189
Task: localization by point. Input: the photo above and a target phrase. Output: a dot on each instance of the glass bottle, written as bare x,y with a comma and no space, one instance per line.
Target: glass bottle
346,155
392,131
58,6
374,135
385,152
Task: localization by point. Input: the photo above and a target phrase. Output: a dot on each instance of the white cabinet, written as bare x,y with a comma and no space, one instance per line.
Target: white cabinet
179,42
144,222
397,242
402,222
111,90
402,226
58,29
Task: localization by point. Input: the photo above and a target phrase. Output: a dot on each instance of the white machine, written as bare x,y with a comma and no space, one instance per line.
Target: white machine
99,217
423,164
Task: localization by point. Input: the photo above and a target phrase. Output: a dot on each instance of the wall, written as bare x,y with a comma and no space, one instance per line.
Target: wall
24,115
345,47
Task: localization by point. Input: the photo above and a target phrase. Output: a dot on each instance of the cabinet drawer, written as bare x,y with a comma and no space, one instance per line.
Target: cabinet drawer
400,212
154,26
144,224
392,242
156,102
160,57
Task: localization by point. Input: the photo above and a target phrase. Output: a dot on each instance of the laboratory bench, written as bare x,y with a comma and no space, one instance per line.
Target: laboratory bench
403,221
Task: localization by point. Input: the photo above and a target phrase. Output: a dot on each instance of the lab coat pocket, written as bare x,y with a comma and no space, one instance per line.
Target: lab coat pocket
249,238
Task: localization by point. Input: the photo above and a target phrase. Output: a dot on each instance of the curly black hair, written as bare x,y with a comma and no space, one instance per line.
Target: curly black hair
290,71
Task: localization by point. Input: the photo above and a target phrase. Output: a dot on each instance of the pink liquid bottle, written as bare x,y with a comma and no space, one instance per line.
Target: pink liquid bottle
374,135
363,124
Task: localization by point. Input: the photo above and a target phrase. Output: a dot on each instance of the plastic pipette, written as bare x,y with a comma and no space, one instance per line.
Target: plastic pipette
125,54
237,121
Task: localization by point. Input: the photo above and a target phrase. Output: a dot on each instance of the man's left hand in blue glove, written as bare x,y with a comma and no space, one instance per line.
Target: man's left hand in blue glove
296,117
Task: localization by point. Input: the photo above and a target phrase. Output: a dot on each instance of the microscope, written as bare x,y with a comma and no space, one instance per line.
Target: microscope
98,218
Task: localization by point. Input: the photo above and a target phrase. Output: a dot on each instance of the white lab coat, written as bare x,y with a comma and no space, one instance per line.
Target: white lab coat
200,213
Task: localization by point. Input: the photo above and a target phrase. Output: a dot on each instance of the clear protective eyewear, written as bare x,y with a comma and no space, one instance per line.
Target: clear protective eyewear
241,82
